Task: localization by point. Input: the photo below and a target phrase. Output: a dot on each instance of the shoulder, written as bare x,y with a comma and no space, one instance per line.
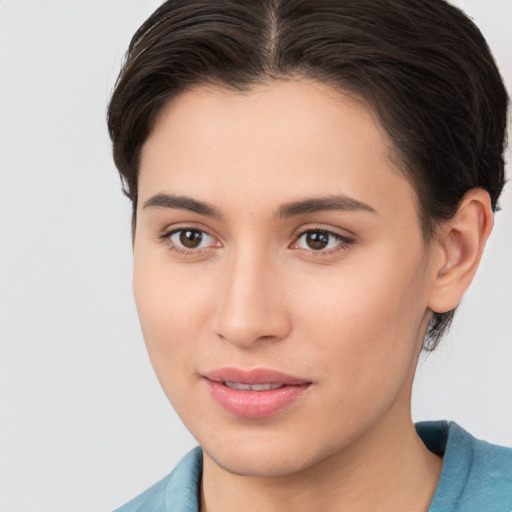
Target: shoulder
177,492
490,477
476,475
151,500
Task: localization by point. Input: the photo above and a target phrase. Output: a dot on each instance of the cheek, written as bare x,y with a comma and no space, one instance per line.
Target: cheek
172,308
365,322
172,316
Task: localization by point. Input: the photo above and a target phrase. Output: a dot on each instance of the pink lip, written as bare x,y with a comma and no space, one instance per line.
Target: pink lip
254,404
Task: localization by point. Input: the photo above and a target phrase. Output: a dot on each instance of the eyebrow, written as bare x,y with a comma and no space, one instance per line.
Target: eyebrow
175,202
327,203
309,205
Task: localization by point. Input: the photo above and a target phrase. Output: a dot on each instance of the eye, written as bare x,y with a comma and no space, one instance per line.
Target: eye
321,240
188,239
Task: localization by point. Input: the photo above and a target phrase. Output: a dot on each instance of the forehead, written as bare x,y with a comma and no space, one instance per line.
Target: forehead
277,142
279,110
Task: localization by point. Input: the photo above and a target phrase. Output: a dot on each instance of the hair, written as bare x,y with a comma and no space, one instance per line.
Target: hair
422,66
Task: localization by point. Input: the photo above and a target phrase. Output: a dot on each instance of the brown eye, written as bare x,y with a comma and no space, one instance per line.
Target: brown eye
317,240
189,238
322,241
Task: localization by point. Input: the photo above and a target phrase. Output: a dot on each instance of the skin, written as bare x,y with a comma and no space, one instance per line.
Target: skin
349,318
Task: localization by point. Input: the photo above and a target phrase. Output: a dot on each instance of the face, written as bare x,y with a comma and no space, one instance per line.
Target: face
281,277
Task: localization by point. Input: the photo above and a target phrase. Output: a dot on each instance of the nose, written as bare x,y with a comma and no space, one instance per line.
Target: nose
251,307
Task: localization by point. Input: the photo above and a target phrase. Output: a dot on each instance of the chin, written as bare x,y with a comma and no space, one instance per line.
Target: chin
258,462
263,454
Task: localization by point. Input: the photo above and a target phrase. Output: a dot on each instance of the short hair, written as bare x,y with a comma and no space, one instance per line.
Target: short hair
422,66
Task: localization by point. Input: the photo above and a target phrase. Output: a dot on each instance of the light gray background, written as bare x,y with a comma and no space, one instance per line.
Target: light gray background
84,425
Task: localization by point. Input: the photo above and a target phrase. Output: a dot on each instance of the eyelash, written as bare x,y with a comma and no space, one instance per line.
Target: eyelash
343,241
166,239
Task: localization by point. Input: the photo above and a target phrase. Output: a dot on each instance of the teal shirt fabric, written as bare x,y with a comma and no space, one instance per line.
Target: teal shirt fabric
476,476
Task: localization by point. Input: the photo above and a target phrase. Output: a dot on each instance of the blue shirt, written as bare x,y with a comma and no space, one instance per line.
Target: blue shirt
476,476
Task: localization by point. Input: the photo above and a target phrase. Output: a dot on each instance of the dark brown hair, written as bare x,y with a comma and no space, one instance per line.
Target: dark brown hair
421,65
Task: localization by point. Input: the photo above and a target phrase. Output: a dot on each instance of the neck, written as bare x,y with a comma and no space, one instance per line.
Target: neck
387,468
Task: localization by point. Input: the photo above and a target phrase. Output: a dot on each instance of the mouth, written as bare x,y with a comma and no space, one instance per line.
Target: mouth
252,387
253,394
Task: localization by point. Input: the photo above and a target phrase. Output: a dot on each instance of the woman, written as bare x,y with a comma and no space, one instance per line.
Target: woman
313,186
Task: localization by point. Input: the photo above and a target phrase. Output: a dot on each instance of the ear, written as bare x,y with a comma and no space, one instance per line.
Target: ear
457,250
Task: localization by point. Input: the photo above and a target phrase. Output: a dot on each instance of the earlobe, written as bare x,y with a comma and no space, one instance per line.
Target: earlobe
459,246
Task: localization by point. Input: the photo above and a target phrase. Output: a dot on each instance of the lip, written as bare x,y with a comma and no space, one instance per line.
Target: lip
254,404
